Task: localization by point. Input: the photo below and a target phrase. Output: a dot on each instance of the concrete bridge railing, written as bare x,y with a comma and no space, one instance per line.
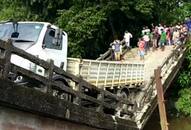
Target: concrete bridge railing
83,94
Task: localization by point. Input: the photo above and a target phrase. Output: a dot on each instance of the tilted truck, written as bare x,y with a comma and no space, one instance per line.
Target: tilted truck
48,42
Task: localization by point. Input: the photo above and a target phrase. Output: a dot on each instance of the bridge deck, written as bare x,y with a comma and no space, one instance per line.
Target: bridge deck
152,60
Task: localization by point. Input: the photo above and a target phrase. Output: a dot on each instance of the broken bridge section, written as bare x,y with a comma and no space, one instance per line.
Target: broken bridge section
83,111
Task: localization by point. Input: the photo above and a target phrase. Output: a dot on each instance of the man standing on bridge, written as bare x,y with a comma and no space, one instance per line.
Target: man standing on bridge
127,37
162,40
141,45
117,49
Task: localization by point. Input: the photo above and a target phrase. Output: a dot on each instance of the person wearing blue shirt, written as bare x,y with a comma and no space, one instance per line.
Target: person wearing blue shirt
188,23
117,49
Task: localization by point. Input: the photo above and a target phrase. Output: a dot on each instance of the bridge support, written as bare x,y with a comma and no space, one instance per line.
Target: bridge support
160,99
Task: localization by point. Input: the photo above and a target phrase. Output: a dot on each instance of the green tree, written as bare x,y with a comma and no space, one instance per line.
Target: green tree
90,24
184,82
12,10
183,104
93,24
82,27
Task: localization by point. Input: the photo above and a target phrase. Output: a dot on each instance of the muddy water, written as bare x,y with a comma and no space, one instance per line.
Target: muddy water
180,124
175,123
175,120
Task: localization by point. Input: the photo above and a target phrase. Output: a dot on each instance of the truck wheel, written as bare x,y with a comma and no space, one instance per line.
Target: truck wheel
123,95
63,95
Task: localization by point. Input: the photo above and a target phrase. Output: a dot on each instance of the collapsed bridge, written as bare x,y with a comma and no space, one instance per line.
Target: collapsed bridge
86,97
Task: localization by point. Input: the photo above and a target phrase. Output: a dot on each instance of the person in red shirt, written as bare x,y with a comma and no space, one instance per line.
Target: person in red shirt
141,51
168,36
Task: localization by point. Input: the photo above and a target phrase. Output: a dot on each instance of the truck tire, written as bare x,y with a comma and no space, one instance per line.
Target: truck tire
63,95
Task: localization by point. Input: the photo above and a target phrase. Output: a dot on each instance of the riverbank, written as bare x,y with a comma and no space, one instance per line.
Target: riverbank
176,120
175,123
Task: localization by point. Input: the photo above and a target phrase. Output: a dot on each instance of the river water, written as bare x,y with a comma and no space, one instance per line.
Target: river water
175,123
175,120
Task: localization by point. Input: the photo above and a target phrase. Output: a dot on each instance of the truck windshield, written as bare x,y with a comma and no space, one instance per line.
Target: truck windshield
26,31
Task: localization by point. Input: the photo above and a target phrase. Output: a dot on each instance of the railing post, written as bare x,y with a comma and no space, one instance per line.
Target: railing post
101,98
7,59
77,88
160,99
50,76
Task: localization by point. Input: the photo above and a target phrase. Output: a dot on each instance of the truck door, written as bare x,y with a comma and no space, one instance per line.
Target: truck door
51,50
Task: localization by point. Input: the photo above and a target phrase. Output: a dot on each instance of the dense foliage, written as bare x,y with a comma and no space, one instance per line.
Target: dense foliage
93,24
184,82
183,104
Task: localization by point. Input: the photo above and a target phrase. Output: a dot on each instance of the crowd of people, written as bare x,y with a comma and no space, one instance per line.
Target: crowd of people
161,35
152,39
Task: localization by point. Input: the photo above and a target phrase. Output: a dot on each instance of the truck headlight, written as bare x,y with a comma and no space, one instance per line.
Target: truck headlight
40,71
36,69
32,67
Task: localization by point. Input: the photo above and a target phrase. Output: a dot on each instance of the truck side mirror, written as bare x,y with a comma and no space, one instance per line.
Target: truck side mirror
15,34
57,37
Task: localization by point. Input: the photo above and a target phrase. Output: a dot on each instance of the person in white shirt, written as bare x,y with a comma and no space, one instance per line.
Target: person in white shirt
176,36
146,39
143,31
127,37
160,28
147,30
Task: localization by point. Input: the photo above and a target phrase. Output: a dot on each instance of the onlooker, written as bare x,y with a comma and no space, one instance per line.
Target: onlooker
151,37
155,38
181,37
112,51
168,36
117,49
141,51
178,26
159,36
146,39
160,28
165,28
175,37
152,26
162,39
143,31
127,37
188,23
147,30
185,32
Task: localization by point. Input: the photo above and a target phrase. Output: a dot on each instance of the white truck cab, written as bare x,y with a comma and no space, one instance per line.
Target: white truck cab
40,39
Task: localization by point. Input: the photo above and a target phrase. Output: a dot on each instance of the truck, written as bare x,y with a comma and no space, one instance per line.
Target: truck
50,43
